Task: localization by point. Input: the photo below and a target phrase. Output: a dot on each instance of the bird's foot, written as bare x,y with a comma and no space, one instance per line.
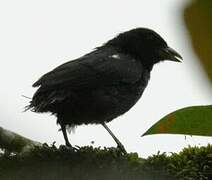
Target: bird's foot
70,147
122,149
76,148
68,144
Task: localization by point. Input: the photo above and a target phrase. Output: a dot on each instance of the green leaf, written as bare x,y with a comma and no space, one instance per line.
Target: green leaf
195,120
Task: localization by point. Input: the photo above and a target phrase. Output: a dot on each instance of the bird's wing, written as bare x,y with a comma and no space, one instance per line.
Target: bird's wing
100,68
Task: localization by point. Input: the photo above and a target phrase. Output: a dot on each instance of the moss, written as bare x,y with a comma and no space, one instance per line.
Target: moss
51,163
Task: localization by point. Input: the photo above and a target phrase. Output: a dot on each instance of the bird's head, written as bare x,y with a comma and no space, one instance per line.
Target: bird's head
145,45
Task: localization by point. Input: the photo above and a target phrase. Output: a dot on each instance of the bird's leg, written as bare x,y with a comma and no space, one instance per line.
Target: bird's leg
120,146
63,128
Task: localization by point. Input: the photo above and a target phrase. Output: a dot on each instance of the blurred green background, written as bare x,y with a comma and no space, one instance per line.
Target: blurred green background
198,19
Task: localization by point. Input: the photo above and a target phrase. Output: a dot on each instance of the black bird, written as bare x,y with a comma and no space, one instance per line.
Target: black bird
103,84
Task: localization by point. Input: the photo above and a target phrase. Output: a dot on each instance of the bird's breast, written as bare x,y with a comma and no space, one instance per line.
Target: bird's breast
134,91
117,100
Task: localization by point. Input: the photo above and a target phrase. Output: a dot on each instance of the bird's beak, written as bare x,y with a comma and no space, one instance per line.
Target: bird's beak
170,54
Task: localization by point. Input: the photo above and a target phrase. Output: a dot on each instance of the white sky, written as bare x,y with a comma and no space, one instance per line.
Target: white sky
36,36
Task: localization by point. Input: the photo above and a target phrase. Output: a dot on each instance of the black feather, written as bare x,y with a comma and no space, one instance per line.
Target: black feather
103,84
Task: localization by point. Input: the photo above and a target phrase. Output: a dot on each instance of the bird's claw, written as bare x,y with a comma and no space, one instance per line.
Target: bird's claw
69,146
122,149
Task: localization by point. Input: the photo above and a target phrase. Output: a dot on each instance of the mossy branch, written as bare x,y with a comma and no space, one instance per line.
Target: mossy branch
49,162
13,142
